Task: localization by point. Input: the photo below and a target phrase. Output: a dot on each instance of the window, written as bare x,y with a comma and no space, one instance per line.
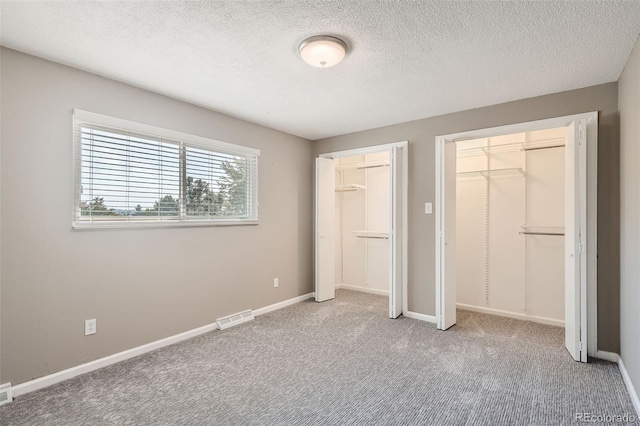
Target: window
130,174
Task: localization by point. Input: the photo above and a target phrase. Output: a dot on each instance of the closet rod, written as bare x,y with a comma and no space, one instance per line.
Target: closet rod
542,233
544,147
372,167
377,238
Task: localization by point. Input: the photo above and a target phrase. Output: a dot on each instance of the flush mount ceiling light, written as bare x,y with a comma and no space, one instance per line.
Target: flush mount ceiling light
322,51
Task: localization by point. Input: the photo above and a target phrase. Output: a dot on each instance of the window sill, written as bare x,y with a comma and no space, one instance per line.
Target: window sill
133,224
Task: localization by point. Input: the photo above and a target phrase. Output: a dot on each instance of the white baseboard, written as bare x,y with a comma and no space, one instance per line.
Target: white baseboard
421,317
52,379
608,356
507,314
69,373
283,304
630,388
363,289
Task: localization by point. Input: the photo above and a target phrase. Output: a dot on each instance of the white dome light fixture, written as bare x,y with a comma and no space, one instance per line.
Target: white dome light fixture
322,51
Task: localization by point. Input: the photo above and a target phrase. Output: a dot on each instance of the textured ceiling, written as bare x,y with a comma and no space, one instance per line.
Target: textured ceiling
407,59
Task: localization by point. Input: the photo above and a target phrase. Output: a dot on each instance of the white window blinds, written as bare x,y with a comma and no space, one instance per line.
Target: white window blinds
131,174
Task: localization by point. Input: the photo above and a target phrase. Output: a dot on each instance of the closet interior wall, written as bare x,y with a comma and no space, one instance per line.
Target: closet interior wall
363,206
510,221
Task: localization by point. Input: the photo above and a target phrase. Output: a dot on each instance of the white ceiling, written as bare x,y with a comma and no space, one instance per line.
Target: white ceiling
407,59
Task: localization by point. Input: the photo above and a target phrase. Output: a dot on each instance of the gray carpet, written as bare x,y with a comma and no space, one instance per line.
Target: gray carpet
341,362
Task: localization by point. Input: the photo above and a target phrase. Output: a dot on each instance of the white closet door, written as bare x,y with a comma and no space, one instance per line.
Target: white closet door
396,254
324,241
575,221
448,308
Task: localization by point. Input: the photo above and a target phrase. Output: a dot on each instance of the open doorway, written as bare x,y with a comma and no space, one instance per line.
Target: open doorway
361,226
510,226
528,196
362,223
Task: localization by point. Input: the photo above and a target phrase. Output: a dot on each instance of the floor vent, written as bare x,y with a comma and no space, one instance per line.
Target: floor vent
235,319
5,394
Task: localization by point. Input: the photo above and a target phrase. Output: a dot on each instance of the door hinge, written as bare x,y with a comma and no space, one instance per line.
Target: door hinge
580,248
580,345
580,133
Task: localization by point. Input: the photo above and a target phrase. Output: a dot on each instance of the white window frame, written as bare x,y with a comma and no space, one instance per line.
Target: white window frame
194,141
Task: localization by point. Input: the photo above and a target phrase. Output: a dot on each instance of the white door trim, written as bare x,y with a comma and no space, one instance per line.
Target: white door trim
591,119
405,201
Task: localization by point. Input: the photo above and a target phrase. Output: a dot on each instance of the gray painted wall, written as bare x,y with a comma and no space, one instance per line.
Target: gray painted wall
1,382
143,285
629,102
421,135
140,284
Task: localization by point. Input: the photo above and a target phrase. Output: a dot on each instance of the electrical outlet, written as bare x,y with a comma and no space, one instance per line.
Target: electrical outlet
275,283
90,327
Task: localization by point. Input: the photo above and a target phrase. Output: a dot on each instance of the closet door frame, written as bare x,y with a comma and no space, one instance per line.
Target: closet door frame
398,297
589,121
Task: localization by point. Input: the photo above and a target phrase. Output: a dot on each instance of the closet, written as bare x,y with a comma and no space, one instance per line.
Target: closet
510,225
362,221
